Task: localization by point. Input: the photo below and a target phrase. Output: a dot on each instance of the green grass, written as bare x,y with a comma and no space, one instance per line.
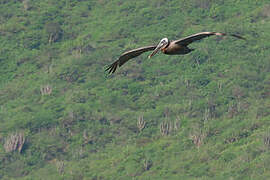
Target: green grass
216,99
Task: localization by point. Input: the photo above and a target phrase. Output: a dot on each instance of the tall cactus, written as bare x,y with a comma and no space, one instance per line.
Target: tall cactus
141,123
165,128
14,142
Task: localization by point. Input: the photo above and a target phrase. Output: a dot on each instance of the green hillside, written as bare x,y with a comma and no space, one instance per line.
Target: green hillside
205,115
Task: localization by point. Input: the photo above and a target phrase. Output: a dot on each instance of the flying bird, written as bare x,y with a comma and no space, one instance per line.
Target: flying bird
175,47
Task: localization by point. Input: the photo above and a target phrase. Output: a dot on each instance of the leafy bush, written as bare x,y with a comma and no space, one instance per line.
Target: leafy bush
205,114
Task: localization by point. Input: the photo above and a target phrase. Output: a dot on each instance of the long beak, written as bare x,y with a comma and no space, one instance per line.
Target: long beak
159,46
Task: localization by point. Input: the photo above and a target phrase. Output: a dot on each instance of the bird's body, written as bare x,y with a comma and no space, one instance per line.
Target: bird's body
176,47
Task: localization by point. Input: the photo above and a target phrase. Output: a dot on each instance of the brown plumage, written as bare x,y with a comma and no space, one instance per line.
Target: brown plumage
127,56
175,47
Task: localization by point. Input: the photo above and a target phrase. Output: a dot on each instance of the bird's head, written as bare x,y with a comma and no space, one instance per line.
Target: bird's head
162,44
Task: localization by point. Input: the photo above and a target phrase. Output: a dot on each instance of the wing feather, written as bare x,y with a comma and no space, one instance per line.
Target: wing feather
198,36
127,56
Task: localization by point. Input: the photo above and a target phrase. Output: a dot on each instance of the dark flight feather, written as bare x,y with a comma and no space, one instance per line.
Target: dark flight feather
127,56
195,37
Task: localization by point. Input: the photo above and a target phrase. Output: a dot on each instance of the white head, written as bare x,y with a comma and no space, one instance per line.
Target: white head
164,41
162,44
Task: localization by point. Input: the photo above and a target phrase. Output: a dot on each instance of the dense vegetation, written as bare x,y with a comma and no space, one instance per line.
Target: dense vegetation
200,116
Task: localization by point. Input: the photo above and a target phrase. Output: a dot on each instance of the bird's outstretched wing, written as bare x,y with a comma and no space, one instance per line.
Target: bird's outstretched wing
195,37
127,56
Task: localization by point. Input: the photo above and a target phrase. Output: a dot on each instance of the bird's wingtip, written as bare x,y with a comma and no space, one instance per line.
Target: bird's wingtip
109,69
239,37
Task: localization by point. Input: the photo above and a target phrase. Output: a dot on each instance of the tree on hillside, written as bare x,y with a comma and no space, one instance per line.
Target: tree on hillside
54,31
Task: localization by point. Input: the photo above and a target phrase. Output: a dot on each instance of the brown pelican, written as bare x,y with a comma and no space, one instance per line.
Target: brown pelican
175,47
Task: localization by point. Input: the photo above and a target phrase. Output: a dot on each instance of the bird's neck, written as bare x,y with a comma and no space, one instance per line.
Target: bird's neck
163,49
